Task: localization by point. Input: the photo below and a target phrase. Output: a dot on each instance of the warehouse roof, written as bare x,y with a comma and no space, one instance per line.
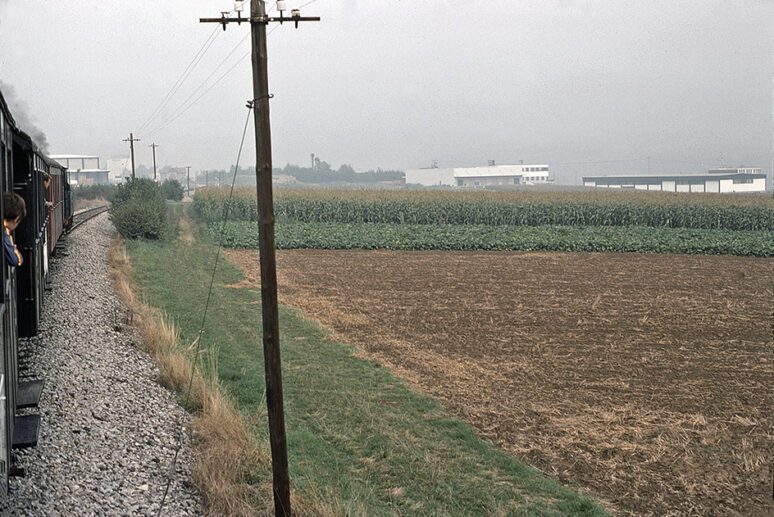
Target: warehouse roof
671,177
498,170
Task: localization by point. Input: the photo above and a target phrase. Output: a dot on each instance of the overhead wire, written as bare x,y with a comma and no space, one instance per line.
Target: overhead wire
182,77
182,109
182,106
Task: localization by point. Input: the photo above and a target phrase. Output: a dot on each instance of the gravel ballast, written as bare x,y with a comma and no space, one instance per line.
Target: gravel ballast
109,431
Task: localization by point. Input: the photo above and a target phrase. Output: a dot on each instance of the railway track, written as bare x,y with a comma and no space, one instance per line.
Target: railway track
84,215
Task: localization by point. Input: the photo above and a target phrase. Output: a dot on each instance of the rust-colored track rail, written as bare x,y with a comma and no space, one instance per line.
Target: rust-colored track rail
84,215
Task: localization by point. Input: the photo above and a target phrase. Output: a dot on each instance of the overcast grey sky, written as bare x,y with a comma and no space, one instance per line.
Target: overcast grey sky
399,83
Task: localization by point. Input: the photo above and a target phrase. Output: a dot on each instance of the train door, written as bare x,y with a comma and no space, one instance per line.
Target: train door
27,236
7,335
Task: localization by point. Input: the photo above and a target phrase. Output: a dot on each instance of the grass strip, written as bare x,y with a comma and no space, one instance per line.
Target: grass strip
360,442
241,234
229,459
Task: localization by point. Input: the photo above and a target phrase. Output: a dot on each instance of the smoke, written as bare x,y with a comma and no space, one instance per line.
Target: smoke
21,114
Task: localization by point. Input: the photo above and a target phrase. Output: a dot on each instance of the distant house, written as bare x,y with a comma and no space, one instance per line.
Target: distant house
491,175
84,170
721,180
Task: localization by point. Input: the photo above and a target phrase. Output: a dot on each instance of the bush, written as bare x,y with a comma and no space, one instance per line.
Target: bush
173,190
138,209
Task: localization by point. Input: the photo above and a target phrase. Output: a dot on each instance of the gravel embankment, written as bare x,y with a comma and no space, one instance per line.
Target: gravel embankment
109,430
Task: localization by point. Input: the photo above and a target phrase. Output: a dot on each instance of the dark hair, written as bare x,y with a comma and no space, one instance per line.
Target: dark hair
46,176
13,206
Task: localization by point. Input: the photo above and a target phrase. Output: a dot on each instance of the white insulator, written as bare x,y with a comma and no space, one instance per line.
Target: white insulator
239,6
281,5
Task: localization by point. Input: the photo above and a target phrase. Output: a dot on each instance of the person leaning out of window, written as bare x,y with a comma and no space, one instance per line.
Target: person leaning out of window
14,210
46,183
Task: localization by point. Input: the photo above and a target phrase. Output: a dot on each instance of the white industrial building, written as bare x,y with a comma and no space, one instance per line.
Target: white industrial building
120,168
492,175
721,180
84,169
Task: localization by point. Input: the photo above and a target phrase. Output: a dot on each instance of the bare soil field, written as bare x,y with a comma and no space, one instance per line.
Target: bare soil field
643,380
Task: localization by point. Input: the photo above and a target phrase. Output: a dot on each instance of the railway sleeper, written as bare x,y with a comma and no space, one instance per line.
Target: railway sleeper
25,431
28,394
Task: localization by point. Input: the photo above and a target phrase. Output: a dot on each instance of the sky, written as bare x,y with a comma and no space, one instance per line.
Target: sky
588,87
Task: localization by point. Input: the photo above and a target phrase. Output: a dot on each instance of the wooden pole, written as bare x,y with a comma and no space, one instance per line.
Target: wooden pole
154,146
131,141
270,311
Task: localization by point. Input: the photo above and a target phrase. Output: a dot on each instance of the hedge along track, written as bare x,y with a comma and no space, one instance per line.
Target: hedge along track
84,215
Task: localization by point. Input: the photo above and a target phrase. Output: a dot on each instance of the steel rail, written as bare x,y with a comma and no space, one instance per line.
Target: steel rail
85,215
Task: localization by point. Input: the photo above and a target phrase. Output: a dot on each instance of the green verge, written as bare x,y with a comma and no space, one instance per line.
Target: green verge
359,440
290,234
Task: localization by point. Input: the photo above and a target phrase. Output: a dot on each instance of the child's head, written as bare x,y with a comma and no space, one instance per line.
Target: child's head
46,179
14,209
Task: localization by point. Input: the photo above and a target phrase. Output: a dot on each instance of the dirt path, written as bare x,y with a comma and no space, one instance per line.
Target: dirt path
646,379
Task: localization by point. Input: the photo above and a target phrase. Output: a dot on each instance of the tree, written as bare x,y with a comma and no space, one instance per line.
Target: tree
138,209
173,190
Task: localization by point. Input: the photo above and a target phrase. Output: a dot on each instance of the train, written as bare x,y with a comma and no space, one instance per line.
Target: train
38,237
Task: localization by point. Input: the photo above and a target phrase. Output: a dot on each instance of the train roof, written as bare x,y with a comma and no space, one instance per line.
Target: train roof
4,107
23,138
53,163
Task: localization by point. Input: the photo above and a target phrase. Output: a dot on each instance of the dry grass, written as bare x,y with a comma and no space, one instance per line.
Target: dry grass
228,456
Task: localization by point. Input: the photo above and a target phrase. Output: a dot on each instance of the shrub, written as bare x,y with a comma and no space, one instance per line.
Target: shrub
173,190
138,209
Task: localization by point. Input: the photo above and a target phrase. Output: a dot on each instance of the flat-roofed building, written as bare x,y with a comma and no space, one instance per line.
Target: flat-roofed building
717,181
492,175
736,170
84,169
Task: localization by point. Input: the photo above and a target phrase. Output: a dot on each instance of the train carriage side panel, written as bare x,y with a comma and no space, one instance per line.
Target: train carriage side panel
67,192
7,323
56,195
28,235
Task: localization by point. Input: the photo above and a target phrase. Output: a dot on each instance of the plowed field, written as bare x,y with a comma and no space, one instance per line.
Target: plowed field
645,380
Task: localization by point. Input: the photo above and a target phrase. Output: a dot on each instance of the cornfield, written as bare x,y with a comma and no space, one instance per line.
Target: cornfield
595,208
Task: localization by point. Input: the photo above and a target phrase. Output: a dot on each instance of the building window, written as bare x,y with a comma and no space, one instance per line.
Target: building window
742,180
515,181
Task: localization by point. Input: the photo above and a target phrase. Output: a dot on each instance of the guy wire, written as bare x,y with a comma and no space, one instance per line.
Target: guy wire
226,214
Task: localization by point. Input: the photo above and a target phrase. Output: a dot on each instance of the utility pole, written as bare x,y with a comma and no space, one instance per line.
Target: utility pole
154,146
131,141
207,178
270,312
188,179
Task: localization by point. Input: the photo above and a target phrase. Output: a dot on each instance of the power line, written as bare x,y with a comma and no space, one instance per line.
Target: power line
201,84
183,110
183,76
